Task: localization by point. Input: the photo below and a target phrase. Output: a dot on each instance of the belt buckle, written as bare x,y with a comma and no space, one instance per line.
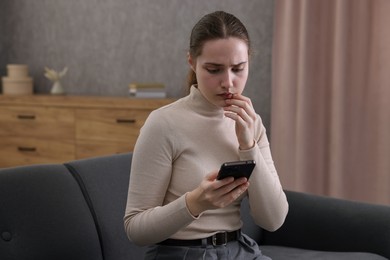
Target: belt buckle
218,243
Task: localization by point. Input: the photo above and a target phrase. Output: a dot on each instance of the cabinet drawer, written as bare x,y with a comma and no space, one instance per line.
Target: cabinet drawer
85,149
37,122
24,151
109,125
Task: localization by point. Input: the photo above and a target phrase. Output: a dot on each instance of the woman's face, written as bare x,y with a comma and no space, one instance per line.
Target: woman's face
221,69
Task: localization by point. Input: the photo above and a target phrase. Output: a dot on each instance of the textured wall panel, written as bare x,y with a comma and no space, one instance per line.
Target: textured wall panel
108,44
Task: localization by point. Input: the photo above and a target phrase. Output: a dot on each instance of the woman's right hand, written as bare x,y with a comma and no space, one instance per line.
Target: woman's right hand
213,193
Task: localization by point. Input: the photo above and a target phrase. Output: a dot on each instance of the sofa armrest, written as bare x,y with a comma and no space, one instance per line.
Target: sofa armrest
330,224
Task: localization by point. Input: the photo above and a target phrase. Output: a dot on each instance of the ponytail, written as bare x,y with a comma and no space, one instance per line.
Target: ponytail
191,79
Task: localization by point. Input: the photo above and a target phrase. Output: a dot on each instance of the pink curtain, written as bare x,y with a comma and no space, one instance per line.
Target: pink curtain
330,120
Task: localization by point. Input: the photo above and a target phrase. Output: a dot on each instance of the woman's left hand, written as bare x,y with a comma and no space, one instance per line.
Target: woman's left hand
240,109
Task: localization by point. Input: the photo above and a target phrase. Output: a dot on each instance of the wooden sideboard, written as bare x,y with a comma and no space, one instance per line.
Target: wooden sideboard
51,129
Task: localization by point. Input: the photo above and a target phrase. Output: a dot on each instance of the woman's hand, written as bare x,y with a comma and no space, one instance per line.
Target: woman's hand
240,109
213,193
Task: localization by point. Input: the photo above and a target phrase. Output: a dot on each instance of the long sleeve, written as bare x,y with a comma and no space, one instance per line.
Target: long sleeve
267,200
147,221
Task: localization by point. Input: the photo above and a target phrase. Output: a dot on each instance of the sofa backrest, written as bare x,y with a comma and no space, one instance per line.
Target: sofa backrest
72,211
43,215
105,181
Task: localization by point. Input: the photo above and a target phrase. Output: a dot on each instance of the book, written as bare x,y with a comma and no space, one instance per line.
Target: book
150,95
147,90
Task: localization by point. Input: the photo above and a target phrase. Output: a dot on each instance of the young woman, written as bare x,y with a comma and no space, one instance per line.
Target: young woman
175,203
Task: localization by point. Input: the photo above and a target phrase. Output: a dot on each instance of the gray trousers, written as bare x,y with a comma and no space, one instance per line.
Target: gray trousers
244,248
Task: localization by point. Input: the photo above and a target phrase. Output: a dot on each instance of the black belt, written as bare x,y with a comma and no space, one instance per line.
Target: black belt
221,238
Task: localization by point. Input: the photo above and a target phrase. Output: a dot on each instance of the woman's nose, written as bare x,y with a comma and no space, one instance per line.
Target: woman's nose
227,80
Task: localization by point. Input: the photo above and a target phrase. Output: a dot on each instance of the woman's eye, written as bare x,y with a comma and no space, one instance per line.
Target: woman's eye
236,70
213,71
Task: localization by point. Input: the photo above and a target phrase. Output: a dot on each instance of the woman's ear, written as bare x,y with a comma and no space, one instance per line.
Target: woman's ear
191,62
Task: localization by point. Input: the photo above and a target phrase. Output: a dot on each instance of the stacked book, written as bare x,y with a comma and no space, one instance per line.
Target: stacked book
147,90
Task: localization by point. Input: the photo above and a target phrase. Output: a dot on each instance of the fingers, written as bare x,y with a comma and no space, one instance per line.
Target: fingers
229,187
239,115
212,193
230,191
212,176
241,106
240,109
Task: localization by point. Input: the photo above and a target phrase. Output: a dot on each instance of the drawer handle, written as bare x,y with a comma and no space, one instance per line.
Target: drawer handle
26,149
28,117
125,121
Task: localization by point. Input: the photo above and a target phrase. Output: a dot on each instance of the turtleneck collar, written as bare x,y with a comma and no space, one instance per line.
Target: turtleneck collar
201,105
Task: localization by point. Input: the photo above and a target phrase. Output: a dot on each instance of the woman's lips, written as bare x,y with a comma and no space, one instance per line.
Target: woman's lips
226,95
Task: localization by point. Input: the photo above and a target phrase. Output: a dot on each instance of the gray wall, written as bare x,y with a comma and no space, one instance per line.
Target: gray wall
108,44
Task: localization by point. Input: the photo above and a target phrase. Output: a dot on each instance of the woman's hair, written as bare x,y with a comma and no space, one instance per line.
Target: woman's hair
217,25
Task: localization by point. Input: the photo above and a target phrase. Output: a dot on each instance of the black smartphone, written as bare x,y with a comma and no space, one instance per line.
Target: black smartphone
236,169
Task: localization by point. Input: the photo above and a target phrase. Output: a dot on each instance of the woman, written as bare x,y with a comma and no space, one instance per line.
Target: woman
175,203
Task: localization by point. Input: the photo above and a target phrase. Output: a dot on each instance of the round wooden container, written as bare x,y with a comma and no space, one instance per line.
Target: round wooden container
17,86
17,71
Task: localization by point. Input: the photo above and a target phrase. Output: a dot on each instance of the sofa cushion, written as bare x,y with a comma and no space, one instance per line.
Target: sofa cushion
281,253
249,227
43,215
105,181
329,224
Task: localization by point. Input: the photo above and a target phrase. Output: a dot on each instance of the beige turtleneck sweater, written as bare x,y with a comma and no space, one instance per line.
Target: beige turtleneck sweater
178,145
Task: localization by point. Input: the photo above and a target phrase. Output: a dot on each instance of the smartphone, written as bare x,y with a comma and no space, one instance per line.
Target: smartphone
236,169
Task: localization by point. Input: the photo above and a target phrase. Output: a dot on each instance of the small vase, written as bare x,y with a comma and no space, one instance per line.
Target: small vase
57,89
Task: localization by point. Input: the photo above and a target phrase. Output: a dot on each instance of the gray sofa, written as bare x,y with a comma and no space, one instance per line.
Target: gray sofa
75,211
